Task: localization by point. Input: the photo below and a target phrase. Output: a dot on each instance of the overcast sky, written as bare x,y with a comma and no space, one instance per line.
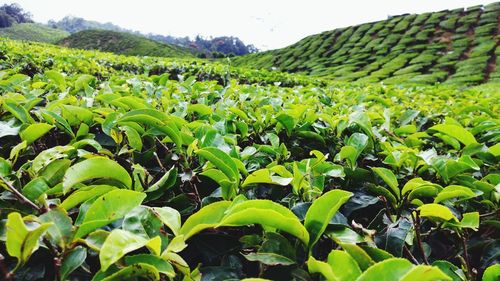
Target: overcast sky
268,24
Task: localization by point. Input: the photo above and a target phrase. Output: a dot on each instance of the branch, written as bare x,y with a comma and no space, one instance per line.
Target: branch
416,223
57,259
7,276
410,255
19,195
466,256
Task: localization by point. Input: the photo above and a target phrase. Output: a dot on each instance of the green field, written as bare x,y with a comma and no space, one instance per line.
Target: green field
116,167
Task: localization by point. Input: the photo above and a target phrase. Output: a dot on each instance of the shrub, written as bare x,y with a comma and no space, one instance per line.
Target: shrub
483,49
448,24
411,69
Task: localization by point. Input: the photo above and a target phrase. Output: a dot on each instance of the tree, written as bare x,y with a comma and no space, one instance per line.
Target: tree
6,20
13,13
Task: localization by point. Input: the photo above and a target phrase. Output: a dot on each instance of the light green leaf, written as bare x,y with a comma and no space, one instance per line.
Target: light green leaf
389,178
344,267
84,194
17,111
5,167
220,160
95,239
133,137
268,214
207,217
436,212
387,270
459,133
160,264
450,269
425,273
97,167
350,153
357,253
315,266
269,258
170,217
492,273
54,119
47,156
120,242
73,260
287,121
57,78
415,183
495,149
264,176
22,242
78,114
166,181
226,165
199,108
322,211
470,220
454,191
138,271
60,231
35,188
108,208
361,119
54,172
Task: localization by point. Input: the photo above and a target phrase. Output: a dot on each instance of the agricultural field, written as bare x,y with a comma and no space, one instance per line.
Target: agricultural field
459,46
143,168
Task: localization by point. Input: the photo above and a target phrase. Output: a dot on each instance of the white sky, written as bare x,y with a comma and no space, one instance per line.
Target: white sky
268,24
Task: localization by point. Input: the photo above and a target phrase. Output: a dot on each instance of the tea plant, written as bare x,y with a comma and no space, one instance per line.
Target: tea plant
111,171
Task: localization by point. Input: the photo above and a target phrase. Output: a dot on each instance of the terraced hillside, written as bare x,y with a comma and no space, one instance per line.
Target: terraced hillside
33,32
459,46
123,43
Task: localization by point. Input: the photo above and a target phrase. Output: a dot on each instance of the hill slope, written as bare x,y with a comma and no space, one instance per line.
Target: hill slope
33,32
208,46
122,43
456,46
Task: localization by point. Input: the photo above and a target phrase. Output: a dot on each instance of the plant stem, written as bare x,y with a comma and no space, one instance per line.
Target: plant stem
19,195
466,256
410,255
57,259
488,214
416,223
159,161
57,268
7,276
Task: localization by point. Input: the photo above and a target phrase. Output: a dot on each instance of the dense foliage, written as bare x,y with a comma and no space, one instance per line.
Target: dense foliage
209,47
117,167
75,24
13,13
452,46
